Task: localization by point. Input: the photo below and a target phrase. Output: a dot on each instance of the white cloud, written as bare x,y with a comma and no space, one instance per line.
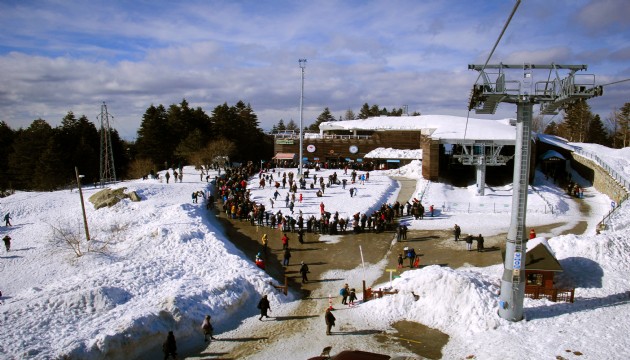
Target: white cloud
58,57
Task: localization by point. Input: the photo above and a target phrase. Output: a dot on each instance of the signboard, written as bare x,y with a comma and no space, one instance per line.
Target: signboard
353,149
284,142
310,148
516,272
516,264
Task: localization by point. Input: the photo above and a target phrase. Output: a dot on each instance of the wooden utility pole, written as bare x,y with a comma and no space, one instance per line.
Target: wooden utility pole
87,232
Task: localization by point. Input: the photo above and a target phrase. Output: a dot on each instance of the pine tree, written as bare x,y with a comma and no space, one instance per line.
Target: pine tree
155,140
552,129
6,148
597,133
281,126
576,119
621,133
28,146
364,113
349,115
292,126
323,117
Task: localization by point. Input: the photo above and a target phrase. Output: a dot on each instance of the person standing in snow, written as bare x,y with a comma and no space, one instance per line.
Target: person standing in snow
264,243
286,257
264,306
469,240
344,292
352,297
411,254
169,347
457,231
400,261
480,243
285,241
7,242
167,176
207,329
7,219
330,320
304,271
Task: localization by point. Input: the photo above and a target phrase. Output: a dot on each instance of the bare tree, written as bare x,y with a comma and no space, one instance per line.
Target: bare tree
71,236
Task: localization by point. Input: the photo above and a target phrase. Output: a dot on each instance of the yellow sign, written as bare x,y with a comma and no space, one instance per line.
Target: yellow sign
394,270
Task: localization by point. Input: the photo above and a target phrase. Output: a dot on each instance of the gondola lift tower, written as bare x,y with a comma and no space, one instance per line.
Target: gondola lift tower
551,94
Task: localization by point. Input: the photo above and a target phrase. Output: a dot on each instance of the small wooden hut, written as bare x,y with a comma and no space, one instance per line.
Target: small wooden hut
540,268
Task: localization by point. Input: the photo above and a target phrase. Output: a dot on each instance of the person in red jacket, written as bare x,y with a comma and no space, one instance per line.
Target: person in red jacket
285,242
532,234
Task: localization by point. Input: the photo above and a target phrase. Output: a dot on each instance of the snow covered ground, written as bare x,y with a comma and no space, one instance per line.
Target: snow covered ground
167,264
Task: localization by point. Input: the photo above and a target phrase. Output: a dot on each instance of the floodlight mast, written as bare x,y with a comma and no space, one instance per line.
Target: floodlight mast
551,95
302,63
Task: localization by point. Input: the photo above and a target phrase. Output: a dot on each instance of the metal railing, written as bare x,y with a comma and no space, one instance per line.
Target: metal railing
290,135
621,179
489,207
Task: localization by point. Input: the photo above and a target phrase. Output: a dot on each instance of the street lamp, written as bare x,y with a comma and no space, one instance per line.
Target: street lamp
302,63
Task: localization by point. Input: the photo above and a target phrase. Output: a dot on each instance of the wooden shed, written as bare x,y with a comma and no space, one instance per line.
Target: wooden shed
540,268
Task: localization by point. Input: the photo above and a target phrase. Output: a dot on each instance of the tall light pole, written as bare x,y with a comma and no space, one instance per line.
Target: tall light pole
302,63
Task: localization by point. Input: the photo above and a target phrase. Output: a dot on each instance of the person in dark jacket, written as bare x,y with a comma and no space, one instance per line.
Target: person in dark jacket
7,242
170,346
207,328
480,243
353,296
286,257
264,306
330,320
304,271
469,241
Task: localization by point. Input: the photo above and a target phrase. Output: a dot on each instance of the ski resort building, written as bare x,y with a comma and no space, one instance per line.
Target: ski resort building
444,143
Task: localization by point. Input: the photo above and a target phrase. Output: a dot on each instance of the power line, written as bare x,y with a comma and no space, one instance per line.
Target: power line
518,2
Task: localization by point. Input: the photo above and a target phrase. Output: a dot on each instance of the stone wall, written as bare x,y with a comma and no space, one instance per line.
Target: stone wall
601,180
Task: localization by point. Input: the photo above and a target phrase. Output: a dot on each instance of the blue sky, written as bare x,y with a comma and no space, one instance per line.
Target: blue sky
60,56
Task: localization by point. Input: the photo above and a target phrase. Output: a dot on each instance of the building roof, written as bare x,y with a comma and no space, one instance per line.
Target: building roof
556,141
391,153
446,128
540,257
284,156
552,155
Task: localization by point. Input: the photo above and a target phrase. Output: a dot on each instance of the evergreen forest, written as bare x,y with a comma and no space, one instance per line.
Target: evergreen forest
43,158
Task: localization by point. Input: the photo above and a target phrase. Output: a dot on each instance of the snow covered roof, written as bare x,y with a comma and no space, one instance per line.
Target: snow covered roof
446,128
390,153
539,256
555,141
